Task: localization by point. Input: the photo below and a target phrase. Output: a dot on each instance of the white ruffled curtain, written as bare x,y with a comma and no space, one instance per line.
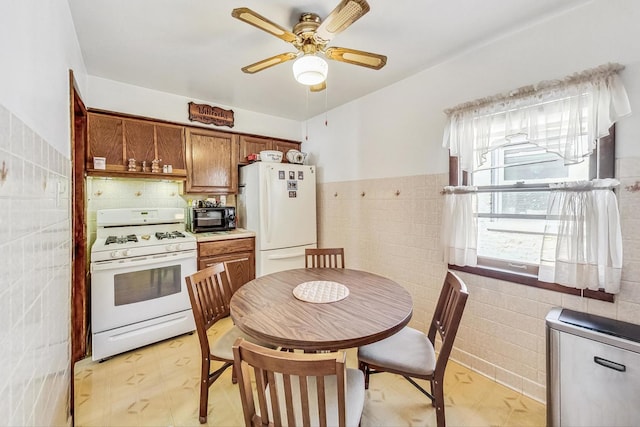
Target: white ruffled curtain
565,116
583,249
582,246
459,238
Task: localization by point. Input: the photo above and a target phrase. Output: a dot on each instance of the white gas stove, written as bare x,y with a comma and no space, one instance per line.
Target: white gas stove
138,266
127,233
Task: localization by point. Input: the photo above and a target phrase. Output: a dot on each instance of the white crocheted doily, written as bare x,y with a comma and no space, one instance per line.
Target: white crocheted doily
320,291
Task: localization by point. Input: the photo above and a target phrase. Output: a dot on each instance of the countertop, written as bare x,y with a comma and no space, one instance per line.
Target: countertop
238,233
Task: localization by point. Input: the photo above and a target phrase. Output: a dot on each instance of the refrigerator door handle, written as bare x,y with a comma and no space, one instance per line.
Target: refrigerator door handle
267,201
287,256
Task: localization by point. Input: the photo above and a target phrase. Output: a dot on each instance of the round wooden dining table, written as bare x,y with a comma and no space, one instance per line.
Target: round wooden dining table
267,309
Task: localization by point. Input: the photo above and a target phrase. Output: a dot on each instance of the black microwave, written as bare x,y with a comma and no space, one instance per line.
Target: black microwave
200,220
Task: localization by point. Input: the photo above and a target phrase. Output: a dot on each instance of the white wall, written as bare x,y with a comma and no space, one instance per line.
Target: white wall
125,98
397,131
38,46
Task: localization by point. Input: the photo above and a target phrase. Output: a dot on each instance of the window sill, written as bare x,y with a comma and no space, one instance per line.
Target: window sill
530,280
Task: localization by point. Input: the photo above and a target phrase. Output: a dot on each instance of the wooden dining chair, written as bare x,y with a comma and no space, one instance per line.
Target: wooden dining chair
210,291
297,388
324,258
411,353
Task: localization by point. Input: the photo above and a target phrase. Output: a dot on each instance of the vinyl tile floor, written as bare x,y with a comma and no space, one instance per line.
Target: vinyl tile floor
158,385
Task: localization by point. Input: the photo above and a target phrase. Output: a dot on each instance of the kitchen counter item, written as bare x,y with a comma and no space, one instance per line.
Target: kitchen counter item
238,233
593,370
271,156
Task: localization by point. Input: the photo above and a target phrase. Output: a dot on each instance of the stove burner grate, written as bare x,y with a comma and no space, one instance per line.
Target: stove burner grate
121,239
169,235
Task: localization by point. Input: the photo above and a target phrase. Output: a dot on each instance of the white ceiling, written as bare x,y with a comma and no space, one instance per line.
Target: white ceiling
194,48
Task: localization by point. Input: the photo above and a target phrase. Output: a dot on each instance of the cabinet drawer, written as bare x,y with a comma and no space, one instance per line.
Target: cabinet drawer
221,247
237,257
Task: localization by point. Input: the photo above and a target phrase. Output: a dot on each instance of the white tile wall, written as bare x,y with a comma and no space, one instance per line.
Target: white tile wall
35,242
502,334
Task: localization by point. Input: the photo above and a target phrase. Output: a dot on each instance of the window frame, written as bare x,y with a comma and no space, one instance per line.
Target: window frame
601,165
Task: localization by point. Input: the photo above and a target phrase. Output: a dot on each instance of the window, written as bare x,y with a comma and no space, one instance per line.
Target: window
530,198
513,195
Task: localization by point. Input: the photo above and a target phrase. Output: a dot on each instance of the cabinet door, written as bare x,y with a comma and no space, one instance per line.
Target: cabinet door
170,146
105,139
241,266
212,162
251,145
139,141
284,146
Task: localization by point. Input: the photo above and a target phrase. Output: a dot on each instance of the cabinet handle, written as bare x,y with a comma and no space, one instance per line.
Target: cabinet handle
609,364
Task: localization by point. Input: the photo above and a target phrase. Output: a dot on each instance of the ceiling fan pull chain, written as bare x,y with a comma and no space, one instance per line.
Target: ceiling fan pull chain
306,123
326,97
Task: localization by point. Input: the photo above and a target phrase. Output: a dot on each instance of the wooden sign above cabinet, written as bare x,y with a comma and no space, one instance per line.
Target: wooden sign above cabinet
207,114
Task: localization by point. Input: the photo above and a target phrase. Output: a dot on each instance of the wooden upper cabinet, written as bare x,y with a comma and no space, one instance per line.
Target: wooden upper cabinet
119,138
105,139
170,145
284,146
254,144
139,141
212,161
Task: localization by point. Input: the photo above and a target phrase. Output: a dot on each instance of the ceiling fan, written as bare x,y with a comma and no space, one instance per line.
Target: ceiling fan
310,36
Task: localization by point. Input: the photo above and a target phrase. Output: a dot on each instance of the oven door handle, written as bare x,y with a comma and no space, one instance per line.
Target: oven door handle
148,260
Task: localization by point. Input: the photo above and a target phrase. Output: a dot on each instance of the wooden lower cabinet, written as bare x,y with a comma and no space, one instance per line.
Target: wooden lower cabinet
239,254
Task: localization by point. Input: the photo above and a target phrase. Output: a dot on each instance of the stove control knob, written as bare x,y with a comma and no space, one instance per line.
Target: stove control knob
178,246
169,248
126,252
114,254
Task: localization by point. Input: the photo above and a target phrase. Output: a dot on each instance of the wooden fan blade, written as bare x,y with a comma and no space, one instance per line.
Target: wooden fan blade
250,17
269,62
356,57
345,14
319,87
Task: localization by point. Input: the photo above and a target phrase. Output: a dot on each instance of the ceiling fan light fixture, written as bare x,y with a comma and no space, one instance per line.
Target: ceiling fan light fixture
310,70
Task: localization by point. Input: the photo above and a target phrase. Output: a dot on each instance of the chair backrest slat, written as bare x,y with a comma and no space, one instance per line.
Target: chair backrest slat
324,258
294,381
447,317
209,300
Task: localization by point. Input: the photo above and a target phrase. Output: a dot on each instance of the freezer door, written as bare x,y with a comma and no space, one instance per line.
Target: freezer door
287,206
275,260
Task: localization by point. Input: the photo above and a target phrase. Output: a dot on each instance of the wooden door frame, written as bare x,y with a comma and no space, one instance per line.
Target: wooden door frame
79,289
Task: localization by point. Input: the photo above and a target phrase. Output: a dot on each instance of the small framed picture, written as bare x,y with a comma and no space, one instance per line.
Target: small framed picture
292,194
292,174
292,185
300,175
280,174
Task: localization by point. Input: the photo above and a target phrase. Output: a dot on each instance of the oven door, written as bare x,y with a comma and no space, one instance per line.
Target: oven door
127,291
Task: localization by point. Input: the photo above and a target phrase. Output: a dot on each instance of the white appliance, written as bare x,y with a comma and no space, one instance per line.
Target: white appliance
138,266
278,202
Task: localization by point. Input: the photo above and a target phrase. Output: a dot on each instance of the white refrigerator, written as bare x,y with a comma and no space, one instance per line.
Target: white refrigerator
278,202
